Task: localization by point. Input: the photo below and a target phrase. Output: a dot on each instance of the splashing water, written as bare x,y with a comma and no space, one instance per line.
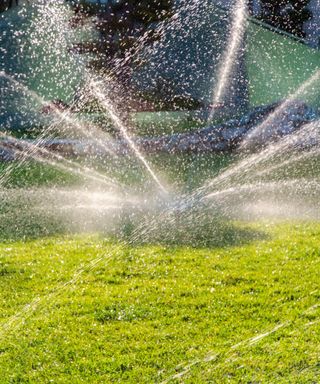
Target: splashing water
241,176
106,103
312,84
230,58
253,186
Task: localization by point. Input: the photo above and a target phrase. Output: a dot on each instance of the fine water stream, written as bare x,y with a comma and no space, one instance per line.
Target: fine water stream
139,197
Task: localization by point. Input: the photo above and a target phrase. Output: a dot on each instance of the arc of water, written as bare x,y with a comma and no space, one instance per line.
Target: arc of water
297,184
305,134
109,108
290,161
229,59
37,153
305,86
64,116
255,159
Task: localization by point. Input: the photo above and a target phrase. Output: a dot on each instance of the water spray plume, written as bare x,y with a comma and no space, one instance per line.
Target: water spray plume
119,124
170,219
42,155
269,121
246,164
229,59
35,151
63,115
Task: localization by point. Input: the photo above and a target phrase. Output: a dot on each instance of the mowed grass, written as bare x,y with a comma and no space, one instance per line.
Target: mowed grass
85,309
241,307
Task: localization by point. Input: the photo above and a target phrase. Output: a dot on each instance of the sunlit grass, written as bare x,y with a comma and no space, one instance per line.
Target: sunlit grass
146,313
223,302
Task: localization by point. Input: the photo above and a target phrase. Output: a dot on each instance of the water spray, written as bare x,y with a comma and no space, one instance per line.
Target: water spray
229,59
110,109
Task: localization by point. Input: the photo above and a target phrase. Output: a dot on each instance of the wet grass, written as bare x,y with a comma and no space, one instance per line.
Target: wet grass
220,302
244,313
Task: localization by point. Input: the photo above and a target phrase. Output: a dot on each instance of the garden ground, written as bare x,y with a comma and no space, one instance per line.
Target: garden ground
86,308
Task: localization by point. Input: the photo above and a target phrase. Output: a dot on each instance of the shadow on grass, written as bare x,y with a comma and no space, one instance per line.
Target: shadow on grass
202,230
28,216
24,227
21,219
209,233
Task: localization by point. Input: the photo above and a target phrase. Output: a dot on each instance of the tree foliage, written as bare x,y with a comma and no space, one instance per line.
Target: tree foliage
6,4
121,26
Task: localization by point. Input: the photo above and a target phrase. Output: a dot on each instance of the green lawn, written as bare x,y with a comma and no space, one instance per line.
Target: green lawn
241,305
85,309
